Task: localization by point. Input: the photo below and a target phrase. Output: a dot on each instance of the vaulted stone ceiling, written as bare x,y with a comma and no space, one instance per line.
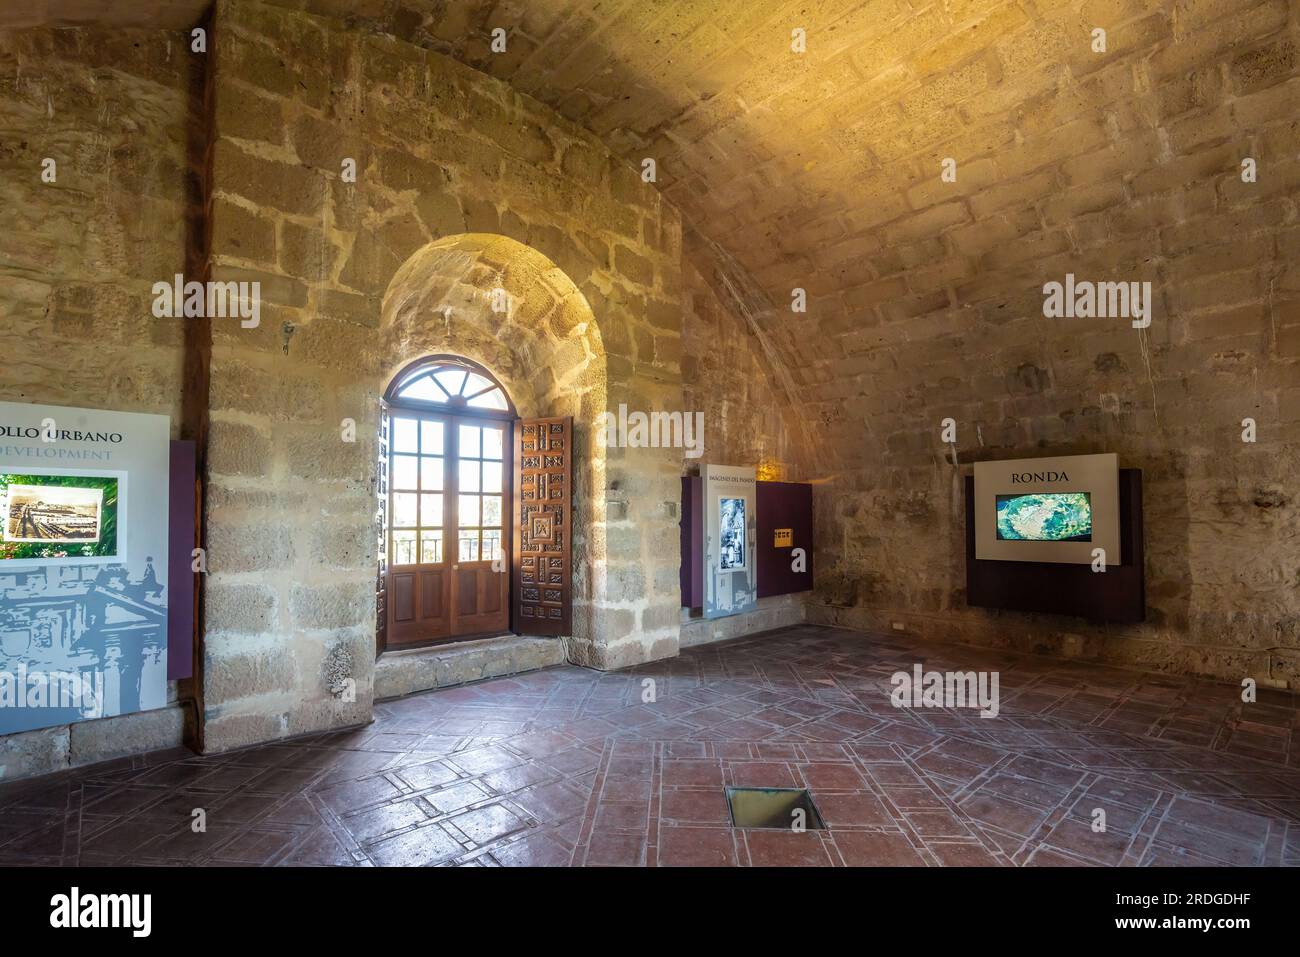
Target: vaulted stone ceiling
821,170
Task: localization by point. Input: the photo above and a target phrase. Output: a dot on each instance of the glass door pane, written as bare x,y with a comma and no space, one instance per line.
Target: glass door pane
418,467
479,502
406,434
431,547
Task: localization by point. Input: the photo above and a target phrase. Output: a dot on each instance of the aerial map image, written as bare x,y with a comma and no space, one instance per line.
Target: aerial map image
1045,517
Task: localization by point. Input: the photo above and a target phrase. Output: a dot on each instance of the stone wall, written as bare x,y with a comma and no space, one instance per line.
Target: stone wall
924,296
1126,167
821,170
440,150
78,257
449,163
729,377
749,418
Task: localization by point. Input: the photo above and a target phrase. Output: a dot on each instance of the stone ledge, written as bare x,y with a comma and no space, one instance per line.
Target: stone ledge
48,750
399,673
775,612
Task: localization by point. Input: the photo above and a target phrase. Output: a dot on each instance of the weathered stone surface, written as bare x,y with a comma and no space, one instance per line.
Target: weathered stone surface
420,670
307,252
771,613
226,731
241,607
245,113
274,184
322,454
332,606
252,546
243,233
137,733
251,673
29,753
238,450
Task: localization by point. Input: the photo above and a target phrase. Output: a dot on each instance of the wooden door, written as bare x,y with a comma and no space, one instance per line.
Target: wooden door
479,583
543,565
447,513
418,570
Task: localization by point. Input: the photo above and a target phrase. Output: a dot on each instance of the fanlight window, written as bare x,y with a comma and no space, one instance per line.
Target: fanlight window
452,385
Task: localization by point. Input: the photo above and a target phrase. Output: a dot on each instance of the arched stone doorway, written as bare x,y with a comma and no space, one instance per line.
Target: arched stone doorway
296,413
508,309
446,505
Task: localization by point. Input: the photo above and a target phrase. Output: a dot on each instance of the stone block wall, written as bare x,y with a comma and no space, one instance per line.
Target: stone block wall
749,417
79,255
821,170
78,258
1126,166
924,295
440,151
444,156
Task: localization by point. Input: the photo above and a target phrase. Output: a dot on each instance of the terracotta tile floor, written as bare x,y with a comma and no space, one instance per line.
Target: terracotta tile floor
568,766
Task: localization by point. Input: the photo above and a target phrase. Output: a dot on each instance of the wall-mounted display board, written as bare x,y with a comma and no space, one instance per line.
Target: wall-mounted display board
83,564
730,536
1057,509
785,523
1117,595
782,518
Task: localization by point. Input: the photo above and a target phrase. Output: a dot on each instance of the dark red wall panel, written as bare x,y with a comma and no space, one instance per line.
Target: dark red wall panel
692,526
181,536
784,505
779,505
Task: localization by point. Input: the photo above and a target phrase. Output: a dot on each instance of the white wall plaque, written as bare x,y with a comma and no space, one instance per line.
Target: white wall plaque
1048,510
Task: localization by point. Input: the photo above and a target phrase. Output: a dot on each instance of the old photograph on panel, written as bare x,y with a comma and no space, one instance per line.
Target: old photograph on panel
731,554
51,514
54,516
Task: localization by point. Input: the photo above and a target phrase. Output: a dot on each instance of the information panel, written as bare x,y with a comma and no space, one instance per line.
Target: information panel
730,537
83,564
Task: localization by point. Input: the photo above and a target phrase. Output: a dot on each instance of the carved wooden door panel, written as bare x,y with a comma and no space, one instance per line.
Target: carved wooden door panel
543,545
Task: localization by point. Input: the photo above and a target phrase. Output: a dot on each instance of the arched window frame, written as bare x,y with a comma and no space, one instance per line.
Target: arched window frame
457,404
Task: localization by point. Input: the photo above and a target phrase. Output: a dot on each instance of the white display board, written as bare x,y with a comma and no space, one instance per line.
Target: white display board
1060,509
83,564
730,538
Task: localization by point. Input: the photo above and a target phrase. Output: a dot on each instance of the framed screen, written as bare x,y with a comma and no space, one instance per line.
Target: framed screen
1045,517
730,537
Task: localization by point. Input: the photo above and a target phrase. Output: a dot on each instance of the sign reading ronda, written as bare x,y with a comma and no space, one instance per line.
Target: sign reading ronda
83,564
1048,510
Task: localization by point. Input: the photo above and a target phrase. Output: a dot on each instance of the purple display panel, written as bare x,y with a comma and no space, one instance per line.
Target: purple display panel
692,526
784,505
180,573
